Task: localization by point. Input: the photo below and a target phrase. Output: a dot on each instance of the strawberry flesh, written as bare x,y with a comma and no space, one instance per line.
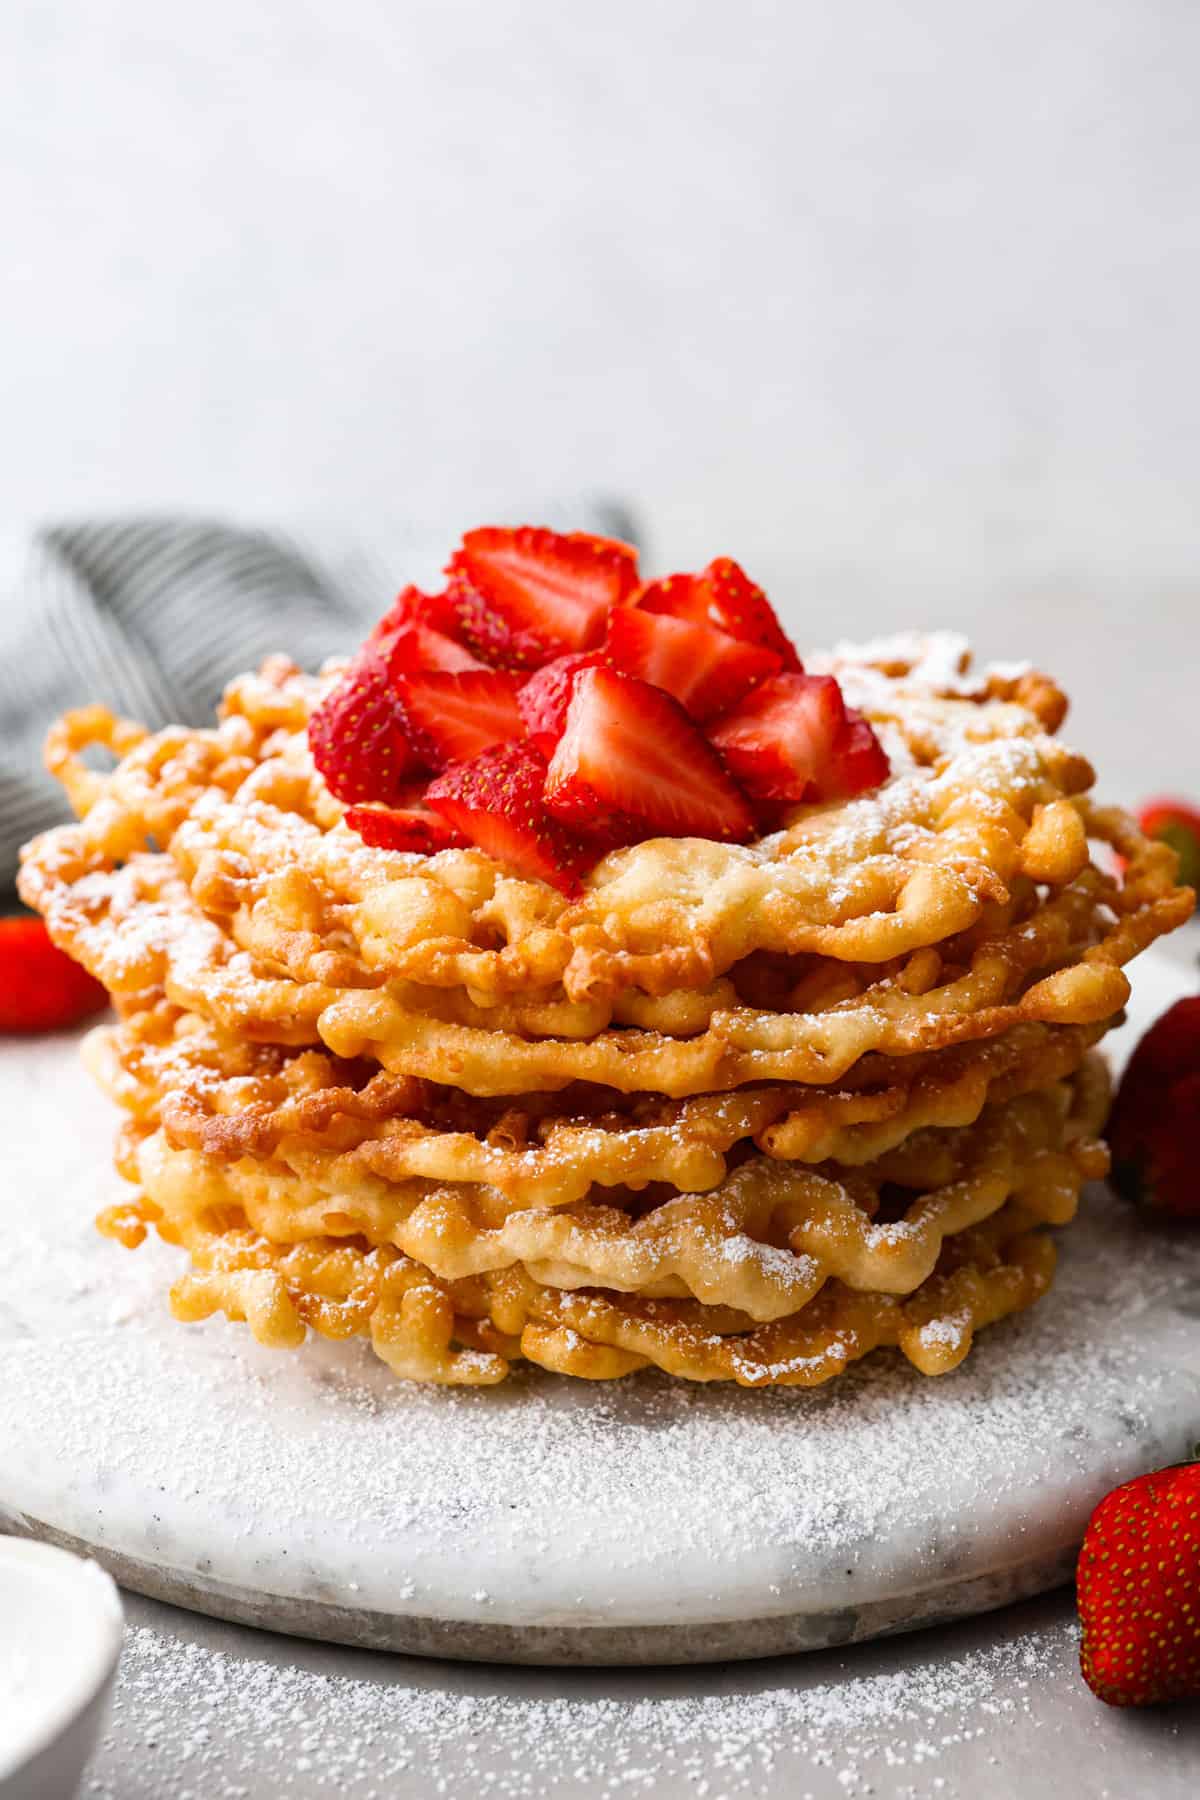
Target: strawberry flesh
411,607
1136,1585
1152,1128
724,596
706,670
41,987
544,698
631,764
525,596
423,647
358,735
497,800
404,828
793,738
452,716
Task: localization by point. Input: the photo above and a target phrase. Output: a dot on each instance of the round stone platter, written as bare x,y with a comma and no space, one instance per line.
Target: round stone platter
548,1521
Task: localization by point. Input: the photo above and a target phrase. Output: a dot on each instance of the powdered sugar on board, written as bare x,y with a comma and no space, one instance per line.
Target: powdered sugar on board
544,1503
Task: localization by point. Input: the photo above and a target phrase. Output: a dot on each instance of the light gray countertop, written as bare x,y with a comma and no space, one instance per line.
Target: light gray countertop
984,1710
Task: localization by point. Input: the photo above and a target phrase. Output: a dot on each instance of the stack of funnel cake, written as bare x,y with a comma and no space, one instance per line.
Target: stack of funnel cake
743,1111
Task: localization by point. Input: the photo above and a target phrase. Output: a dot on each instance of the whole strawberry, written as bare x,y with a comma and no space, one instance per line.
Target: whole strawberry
1152,1131
41,988
1176,822
1138,1586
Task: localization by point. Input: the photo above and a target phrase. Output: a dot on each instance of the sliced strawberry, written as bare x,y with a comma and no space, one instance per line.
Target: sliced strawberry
860,761
524,596
404,828
412,607
452,717
792,739
422,647
722,595
706,670
358,736
544,698
497,800
631,764
41,987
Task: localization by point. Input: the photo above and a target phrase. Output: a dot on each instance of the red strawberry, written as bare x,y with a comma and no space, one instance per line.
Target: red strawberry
1138,1587
544,698
1152,1128
358,736
452,717
524,596
706,670
421,647
1178,824
41,988
411,607
403,828
497,800
630,764
793,739
722,595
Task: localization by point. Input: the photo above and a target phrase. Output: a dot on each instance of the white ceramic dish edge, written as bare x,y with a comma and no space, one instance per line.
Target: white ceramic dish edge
60,1617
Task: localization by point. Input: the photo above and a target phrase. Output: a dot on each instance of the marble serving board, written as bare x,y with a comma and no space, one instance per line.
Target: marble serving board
549,1521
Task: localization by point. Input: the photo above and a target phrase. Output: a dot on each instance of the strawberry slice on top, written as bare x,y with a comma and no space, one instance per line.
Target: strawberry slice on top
631,764
705,669
497,801
723,596
527,595
359,735
793,738
452,716
544,698
412,607
412,827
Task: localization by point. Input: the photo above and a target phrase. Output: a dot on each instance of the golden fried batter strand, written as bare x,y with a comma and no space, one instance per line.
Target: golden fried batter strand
764,1241
255,835
470,1333
1060,965
231,1100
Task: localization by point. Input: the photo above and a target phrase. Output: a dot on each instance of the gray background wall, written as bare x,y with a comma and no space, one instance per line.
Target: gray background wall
897,302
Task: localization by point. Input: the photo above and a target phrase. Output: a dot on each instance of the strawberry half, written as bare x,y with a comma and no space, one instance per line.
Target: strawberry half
793,739
452,717
630,764
422,647
358,735
411,607
41,988
404,828
1177,824
724,596
705,669
544,698
524,596
1152,1128
1137,1585
497,801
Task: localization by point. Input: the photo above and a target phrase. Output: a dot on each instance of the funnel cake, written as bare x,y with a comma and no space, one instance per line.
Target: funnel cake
574,977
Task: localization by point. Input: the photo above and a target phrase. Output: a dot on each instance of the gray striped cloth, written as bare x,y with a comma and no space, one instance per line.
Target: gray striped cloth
152,616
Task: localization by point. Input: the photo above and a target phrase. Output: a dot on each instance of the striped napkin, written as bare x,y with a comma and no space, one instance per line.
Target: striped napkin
152,616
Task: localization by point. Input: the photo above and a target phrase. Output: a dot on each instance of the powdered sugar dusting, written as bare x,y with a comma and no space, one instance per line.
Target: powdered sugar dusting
199,1723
